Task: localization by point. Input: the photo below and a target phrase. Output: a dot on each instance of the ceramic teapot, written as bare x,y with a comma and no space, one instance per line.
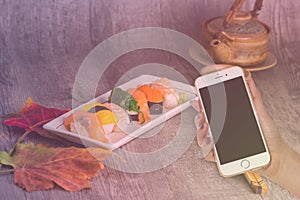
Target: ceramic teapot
239,38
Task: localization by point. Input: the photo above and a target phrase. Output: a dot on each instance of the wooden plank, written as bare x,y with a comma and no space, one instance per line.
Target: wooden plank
285,23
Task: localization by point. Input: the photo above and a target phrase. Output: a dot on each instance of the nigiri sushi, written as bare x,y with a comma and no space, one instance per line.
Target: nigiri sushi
171,98
85,124
107,118
123,119
142,104
154,97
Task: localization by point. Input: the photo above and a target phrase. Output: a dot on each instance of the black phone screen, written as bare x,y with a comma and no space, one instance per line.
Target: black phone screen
240,136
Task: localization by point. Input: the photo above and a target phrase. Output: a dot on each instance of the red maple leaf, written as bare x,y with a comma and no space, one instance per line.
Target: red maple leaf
32,117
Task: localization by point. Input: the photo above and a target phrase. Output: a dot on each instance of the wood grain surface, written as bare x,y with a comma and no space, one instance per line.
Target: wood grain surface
43,43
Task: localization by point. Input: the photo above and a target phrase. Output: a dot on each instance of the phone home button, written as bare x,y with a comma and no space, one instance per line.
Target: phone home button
245,164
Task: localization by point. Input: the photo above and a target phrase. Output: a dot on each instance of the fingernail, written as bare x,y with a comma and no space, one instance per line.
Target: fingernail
200,118
201,126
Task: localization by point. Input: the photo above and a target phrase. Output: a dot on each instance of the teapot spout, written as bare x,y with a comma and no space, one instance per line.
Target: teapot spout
221,52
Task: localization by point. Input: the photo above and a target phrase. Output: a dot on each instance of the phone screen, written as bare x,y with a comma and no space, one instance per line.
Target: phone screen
240,136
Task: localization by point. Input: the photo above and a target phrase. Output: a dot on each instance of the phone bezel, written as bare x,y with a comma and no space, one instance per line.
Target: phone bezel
234,167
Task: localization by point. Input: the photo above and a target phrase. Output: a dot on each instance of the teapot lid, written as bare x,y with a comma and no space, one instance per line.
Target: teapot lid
242,26
239,24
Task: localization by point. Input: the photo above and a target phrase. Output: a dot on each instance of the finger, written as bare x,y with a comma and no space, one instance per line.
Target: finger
210,157
195,104
201,134
201,119
207,146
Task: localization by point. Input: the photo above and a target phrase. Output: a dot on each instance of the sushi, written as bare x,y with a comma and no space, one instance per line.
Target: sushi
154,97
126,101
97,120
107,118
142,104
85,124
171,98
123,118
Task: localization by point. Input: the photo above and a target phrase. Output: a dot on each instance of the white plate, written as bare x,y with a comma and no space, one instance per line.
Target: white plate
119,139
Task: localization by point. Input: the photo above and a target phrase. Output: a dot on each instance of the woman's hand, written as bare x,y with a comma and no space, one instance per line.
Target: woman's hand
284,167
275,144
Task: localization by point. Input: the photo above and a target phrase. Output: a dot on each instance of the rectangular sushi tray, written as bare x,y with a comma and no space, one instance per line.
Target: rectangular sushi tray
117,139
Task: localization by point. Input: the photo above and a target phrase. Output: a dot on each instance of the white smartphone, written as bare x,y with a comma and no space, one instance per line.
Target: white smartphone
239,144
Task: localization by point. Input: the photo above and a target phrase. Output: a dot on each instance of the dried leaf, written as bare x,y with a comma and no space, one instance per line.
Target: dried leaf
5,158
39,167
32,117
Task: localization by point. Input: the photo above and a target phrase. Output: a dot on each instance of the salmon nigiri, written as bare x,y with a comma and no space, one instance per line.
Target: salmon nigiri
142,104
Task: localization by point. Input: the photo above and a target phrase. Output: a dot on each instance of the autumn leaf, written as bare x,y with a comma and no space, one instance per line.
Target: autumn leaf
39,167
32,117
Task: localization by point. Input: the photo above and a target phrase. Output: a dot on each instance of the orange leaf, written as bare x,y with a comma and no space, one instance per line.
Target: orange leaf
39,167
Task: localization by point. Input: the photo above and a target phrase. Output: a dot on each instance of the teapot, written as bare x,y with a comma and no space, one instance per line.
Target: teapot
239,38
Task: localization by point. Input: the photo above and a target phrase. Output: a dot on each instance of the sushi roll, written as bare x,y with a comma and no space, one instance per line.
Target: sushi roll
128,103
155,99
141,98
133,115
171,98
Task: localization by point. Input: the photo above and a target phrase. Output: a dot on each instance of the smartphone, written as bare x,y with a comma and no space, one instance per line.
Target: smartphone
239,144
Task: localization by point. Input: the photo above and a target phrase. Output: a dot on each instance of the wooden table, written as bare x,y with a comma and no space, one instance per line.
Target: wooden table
43,43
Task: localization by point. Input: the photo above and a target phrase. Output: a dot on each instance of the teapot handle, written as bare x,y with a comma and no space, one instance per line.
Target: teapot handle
236,7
